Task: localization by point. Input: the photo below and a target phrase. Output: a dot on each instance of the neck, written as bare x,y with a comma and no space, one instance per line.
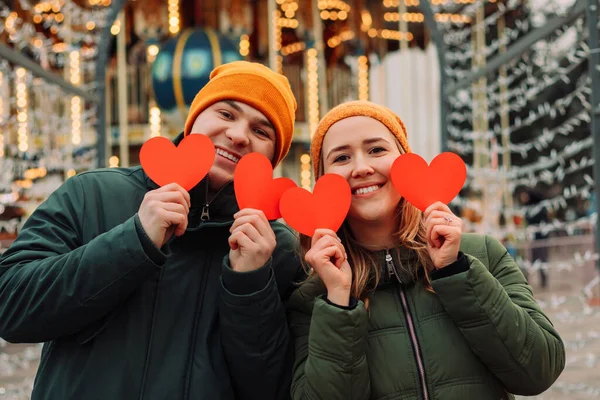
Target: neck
212,192
374,235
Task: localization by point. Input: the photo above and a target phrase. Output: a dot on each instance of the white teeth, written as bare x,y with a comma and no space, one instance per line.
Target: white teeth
225,154
367,189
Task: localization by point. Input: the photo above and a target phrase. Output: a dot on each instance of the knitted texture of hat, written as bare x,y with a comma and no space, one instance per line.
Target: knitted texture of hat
355,109
257,86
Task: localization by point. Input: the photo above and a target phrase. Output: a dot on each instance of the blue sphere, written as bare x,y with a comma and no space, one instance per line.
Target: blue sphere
183,66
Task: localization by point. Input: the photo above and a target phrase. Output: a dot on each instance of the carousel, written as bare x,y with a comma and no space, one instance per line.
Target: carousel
84,83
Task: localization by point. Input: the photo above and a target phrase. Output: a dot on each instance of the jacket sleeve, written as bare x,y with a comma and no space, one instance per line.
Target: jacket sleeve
254,331
495,310
53,285
330,348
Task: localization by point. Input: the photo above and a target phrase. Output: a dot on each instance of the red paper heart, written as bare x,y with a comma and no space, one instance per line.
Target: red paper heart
423,185
326,207
186,164
255,187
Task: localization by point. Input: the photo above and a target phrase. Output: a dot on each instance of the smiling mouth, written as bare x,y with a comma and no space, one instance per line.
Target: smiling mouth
227,155
367,190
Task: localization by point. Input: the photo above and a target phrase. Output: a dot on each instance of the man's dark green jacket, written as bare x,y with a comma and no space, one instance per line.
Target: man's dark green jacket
122,319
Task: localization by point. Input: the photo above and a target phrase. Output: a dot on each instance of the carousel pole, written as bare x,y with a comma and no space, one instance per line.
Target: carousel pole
405,78
122,92
489,219
66,73
274,47
272,25
505,124
320,47
403,25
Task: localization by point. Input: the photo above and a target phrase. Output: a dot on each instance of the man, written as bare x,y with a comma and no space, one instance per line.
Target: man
141,292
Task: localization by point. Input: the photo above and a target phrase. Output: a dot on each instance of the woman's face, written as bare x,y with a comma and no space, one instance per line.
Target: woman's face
362,150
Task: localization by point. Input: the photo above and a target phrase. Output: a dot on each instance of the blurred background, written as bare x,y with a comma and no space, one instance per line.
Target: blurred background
512,86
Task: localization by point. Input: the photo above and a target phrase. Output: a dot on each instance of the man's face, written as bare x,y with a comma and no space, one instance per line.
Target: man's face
235,129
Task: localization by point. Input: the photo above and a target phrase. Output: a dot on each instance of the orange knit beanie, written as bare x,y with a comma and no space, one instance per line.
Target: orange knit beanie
257,86
356,109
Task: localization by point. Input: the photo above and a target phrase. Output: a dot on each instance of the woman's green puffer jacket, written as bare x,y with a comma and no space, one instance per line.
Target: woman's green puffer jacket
480,336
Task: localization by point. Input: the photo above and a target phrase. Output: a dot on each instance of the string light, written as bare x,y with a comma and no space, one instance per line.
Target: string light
287,23
415,3
396,3
76,105
293,48
390,34
22,104
419,17
116,27
152,52
155,121
333,15
313,90
244,45
336,40
366,21
174,18
334,4
305,172
277,40
113,162
363,78
289,8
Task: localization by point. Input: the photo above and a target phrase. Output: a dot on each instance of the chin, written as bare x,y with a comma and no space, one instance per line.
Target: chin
218,179
368,216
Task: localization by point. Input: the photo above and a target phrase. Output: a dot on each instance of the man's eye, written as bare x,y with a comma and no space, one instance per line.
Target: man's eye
226,114
262,133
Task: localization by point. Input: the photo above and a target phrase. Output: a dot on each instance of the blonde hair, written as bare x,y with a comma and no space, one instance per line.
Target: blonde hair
366,274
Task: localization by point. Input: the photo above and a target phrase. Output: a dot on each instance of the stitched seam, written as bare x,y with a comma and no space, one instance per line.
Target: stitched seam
386,331
82,207
92,297
320,354
352,338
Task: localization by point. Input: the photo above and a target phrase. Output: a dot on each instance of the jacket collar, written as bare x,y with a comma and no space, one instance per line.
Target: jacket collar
402,260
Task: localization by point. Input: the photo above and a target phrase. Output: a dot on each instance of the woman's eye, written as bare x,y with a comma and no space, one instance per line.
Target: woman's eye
340,159
377,150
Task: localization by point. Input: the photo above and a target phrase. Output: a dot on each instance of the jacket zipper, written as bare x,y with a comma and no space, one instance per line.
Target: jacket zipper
411,327
151,337
205,216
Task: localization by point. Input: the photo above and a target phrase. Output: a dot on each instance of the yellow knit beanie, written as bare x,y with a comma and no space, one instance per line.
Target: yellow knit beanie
356,109
257,86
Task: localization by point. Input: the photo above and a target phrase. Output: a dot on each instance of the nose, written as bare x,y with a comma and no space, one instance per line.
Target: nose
239,135
361,167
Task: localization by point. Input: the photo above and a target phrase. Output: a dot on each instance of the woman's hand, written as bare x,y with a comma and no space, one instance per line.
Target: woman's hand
444,230
328,258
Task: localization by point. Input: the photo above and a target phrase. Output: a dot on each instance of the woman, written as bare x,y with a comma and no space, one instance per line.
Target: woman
400,304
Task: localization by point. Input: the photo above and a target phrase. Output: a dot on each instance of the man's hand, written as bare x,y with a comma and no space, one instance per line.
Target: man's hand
252,240
164,211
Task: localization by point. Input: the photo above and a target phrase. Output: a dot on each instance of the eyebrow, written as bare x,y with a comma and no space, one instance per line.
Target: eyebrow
257,120
366,141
